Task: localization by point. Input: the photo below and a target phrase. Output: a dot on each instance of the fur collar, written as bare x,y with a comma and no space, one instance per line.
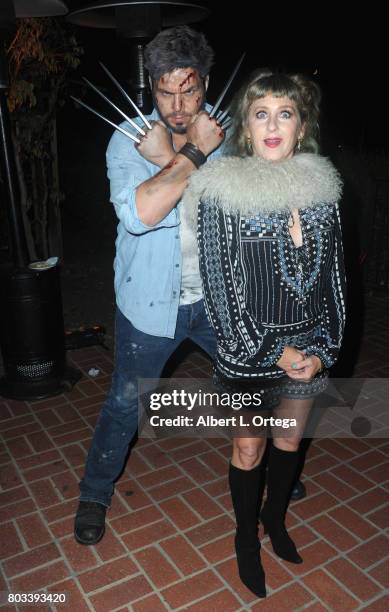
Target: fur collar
252,184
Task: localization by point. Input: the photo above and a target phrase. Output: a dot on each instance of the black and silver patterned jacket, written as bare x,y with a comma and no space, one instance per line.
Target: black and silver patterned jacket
261,291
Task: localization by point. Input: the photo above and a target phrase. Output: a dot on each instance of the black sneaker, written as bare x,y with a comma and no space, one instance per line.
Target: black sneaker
298,492
89,525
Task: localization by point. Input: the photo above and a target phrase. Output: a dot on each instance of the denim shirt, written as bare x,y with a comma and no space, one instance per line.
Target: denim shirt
147,264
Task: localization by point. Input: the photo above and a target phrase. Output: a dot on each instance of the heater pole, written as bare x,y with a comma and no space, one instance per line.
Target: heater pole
31,321
18,242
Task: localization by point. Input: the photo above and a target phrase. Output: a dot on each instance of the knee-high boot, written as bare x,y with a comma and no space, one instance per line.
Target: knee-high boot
245,492
282,467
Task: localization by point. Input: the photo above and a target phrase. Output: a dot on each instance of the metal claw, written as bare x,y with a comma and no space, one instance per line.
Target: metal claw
223,93
134,125
125,94
92,110
224,114
226,124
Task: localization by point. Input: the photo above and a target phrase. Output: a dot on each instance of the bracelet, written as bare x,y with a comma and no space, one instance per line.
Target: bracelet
193,153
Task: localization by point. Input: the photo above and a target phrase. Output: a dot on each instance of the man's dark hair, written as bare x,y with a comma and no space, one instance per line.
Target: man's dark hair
178,47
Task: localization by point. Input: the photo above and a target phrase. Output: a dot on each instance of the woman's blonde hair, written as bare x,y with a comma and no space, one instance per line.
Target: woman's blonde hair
304,93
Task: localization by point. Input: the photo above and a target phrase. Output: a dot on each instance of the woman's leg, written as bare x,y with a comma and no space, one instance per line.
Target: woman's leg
246,478
282,465
288,439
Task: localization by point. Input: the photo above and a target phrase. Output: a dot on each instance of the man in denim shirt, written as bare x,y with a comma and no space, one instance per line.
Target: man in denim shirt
157,280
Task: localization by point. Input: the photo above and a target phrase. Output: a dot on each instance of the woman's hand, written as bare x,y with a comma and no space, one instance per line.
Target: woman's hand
306,369
297,365
290,356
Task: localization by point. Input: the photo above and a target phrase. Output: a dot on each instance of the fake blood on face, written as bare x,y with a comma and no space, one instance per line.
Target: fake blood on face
186,80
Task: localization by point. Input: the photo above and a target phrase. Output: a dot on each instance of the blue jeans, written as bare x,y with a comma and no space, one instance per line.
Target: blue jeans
137,355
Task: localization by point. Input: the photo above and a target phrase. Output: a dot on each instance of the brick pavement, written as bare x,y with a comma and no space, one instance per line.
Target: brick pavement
169,542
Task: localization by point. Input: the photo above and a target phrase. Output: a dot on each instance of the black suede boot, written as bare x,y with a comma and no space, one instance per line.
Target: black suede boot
245,493
281,474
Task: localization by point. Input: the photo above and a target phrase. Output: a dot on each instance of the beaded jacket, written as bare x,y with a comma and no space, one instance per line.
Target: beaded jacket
262,292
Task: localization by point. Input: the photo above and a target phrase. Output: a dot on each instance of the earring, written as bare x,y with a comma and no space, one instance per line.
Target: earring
299,144
249,145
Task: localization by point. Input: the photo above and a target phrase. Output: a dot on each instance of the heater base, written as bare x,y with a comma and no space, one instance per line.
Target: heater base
30,390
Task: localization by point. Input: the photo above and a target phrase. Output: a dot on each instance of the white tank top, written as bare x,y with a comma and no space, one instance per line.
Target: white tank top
191,288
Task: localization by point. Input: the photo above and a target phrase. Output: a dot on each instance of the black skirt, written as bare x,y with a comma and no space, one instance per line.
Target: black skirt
271,390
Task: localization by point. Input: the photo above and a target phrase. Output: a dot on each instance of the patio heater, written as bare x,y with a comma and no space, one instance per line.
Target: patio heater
31,320
136,23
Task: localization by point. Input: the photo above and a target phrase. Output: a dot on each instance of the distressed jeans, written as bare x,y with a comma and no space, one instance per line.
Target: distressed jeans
137,355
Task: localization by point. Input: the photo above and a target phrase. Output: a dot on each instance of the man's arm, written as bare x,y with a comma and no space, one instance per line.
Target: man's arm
158,195
126,171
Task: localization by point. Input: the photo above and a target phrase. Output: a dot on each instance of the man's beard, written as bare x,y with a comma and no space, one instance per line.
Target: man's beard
177,129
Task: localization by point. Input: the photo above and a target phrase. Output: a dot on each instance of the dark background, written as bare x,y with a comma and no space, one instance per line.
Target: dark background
344,54
348,53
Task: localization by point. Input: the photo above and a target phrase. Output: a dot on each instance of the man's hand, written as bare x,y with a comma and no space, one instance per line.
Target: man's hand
205,133
156,146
